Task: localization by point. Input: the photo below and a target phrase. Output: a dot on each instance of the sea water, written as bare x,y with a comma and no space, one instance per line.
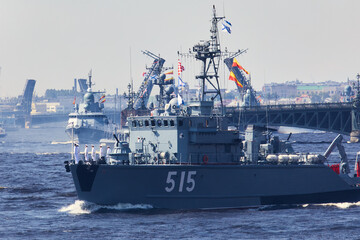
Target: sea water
38,201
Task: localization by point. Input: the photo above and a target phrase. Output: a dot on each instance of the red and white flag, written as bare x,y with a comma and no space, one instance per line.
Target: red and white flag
180,68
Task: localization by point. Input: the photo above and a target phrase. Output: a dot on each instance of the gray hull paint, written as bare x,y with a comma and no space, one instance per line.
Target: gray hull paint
214,186
86,135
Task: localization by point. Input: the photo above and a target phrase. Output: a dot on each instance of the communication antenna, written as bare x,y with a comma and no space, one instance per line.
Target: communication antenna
131,78
90,76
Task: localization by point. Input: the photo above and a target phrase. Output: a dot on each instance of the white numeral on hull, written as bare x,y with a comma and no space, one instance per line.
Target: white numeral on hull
190,181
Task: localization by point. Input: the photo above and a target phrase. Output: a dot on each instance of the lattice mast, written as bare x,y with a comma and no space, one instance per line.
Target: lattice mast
209,53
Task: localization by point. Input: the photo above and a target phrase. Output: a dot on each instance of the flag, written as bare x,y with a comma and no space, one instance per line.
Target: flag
180,81
102,97
168,73
168,79
226,29
236,64
232,77
228,23
180,101
226,26
74,100
180,68
143,74
103,100
153,77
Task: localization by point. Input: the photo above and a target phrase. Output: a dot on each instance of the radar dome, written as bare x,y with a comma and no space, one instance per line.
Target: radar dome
89,97
347,90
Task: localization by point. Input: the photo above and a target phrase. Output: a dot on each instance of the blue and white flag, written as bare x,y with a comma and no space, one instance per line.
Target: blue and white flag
228,23
180,81
226,26
153,77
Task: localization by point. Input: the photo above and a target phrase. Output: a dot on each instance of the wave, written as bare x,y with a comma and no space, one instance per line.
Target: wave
342,205
63,143
308,142
287,130
49,153
83,207
76,208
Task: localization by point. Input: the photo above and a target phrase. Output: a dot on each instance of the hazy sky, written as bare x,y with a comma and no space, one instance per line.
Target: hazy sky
55,41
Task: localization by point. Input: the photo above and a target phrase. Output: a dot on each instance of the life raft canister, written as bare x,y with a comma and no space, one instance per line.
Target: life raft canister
205,159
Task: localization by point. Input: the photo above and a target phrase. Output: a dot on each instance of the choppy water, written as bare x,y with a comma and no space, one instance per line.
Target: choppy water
38,201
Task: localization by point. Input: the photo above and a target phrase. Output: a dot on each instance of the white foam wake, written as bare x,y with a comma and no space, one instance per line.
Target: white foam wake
55,142
82,207
76,208
45,153
343,205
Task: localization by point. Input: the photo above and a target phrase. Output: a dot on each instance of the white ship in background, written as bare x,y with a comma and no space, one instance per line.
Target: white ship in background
88,123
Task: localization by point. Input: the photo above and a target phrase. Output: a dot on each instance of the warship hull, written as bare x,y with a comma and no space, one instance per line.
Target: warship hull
210,186
86,135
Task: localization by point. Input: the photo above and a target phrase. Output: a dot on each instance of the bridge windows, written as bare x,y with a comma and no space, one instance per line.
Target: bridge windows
134,123
155,123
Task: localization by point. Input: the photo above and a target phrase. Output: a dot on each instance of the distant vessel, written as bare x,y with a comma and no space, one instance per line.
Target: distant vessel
89,124
186,157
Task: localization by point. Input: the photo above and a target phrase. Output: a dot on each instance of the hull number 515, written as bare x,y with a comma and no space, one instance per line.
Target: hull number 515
189,185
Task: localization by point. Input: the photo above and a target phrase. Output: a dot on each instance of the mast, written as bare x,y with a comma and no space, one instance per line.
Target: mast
209,53
90,75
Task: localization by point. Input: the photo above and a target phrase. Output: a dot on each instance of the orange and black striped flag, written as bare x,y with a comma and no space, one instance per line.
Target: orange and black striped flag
232,77
236,64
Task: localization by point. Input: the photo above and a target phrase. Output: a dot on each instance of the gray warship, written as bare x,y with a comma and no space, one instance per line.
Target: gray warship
88,123
186,157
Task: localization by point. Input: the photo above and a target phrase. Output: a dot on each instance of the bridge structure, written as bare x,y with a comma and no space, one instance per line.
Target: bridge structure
23,107
341,118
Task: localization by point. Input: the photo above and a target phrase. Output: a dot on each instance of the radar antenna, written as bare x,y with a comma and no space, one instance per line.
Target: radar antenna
90,75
